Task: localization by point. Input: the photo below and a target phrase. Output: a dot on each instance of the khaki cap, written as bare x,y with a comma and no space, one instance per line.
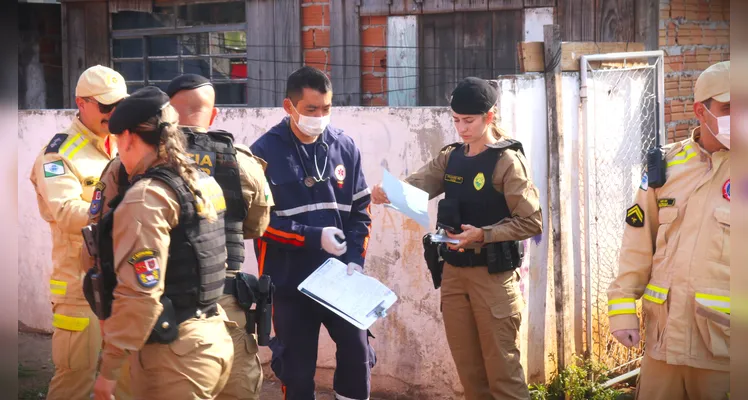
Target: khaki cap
104,84
714,83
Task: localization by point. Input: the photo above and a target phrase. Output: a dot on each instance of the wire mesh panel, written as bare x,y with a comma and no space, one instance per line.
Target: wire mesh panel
622,124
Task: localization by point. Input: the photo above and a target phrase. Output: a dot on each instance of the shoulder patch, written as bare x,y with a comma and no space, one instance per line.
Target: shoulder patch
147,269
55,143
54,168
635,216
645,182
97,199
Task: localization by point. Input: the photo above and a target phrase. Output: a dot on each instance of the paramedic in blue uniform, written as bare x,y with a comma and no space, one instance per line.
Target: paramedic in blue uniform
321,211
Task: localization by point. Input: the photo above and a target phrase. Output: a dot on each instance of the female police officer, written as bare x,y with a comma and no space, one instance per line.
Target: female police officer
169,255
480,300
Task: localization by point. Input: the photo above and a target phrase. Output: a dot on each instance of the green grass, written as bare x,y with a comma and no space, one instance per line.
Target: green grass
582,380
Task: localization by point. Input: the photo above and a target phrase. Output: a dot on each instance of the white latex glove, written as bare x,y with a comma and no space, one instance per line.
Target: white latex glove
354,267
330,244
627,337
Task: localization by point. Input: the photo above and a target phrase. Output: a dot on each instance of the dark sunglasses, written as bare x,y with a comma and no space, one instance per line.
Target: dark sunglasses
104,108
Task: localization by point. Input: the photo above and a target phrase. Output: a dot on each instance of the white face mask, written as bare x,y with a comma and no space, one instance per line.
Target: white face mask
723,129
312,126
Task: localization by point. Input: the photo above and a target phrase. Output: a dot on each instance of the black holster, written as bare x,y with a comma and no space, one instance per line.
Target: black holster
166,329
434,263
504,256
248,290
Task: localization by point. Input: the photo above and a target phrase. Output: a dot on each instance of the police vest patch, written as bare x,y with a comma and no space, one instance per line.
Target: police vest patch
479,181
146,267
205,160
453,178
661,203
635,216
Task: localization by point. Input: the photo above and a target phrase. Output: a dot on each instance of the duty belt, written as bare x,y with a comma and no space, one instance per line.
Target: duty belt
187,313
467,258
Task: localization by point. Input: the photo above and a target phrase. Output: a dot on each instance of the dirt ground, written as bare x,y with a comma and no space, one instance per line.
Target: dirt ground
35,369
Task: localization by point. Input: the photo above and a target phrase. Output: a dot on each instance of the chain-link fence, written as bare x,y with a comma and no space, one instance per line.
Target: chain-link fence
622,122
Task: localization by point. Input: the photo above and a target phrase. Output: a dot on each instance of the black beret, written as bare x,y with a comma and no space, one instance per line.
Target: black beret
474,96
186,82
137,108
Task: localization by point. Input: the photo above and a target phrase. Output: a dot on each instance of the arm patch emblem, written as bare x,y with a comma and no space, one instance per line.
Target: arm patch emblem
635,216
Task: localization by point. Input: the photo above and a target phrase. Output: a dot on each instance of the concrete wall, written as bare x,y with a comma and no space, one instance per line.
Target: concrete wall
413,356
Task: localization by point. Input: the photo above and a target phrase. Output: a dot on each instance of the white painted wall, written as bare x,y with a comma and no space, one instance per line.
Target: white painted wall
535,19
413,356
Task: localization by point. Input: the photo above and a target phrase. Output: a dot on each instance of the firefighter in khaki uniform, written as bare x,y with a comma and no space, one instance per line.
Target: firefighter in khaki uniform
168,252
64,176
676,255
491,199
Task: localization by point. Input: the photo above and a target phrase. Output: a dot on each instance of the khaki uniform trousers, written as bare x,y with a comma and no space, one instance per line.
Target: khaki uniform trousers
75,353
196,366
246,376
659,380
482,319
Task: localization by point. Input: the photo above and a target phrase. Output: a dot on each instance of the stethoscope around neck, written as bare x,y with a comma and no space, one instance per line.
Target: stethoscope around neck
310,180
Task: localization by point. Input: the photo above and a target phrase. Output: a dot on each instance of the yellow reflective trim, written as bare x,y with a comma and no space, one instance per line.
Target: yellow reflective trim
657,288
686,154
76,324
653,299
619,301
58,287
68,143
619,312
715,302
77,148
712,297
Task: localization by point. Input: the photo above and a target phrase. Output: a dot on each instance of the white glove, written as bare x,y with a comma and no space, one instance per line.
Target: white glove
330,244
627,337
354,267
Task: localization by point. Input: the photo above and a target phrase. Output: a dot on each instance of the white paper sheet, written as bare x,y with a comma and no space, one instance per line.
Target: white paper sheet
357,298
408,199
439,238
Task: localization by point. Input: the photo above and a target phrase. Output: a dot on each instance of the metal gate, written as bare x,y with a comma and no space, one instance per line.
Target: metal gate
622,104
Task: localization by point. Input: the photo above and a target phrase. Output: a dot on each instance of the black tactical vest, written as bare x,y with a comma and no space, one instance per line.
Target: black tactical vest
195,270
215,155
469,180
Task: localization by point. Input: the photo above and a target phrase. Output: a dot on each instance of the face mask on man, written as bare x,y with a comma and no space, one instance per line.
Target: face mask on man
312,126
723,129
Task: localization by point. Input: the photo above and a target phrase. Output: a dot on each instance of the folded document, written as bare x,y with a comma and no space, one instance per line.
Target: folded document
357,298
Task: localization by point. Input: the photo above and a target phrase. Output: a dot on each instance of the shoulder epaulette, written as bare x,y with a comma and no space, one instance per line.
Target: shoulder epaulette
55,143
222,134
451,145
244,149
512,144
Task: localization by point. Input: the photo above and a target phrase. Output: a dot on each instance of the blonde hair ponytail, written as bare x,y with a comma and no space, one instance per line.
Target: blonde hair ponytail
171,148
494,124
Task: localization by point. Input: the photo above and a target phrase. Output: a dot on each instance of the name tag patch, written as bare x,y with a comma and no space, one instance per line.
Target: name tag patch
146,266
661,203
453,178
